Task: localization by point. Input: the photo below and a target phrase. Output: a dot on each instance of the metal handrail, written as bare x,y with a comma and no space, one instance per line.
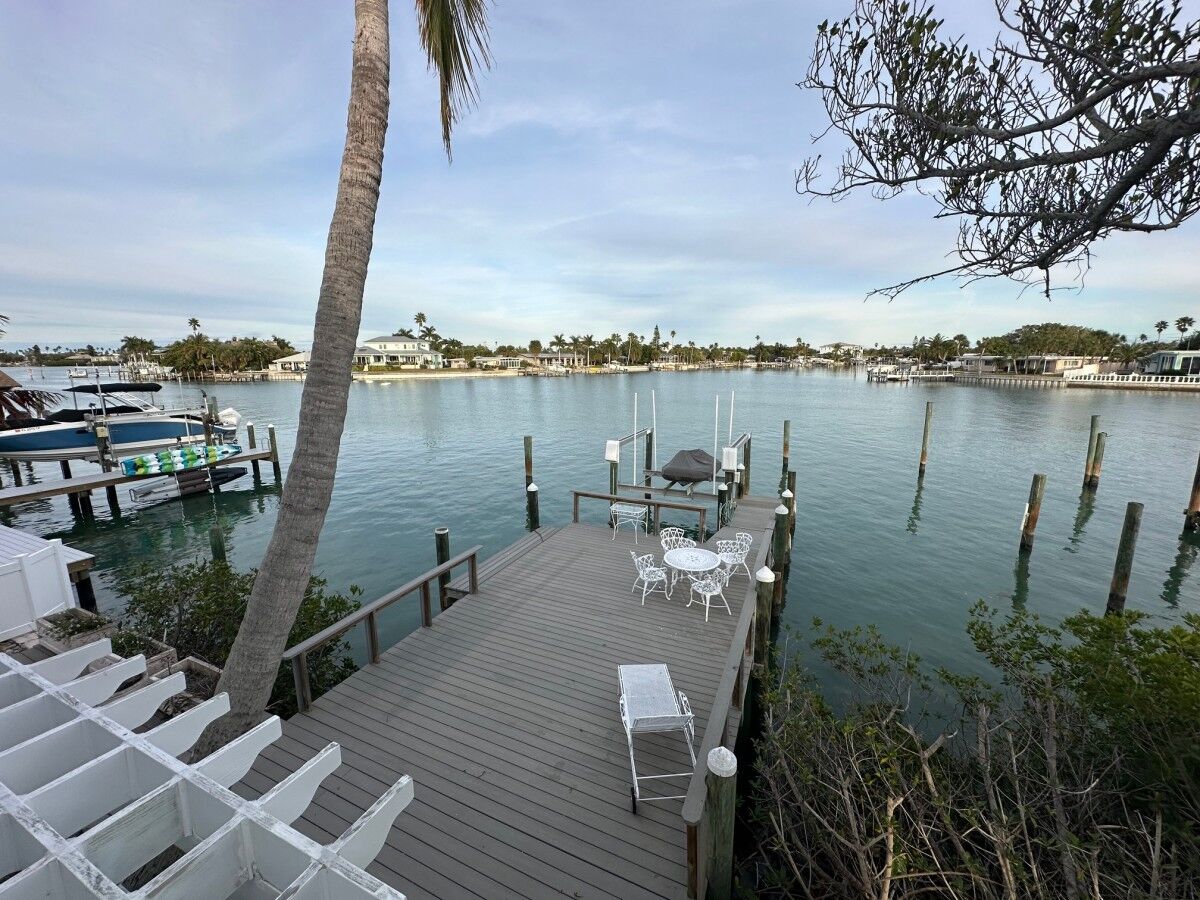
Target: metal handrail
298,655
656,506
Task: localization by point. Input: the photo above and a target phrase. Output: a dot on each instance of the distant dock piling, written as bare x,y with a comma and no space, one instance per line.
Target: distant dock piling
1119,588
275,468
528,460
925,438
441,549
252,444
532,517
1093,435
1093,481
787,452
1191,519
1033,510
791,486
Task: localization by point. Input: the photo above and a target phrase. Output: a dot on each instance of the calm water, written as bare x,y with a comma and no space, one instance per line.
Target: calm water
869,546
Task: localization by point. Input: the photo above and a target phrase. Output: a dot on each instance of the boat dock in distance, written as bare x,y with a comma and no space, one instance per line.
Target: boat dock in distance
503,709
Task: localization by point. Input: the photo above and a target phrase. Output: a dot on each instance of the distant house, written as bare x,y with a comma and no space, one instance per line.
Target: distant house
1173,362
497,362
563,358
1053,364
983,362
840,347
458,362
398,350
297,362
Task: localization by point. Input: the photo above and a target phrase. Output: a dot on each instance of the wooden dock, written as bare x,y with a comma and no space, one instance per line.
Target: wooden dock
504,712
85,484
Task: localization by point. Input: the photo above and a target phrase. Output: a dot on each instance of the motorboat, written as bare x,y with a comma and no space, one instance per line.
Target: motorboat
135,425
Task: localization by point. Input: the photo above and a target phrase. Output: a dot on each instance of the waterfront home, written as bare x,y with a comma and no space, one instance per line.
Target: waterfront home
1173,362
398,350
1053,363
497,362
840,347
562,358
297,362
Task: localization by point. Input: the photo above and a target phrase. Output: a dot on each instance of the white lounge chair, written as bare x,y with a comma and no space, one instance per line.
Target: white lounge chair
649,703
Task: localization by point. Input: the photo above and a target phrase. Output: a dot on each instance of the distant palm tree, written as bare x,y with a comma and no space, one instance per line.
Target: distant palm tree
405,332
194,324
1183,323
420,319
672,338
1160,326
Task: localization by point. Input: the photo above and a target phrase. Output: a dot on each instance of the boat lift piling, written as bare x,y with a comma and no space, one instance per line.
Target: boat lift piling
787,453
1033,510
1123,567
925,438
1091,450
1191,517
252,444
1093,481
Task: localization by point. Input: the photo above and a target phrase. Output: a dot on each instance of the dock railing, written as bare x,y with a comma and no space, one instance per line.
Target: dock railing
656,508
367,616
729,698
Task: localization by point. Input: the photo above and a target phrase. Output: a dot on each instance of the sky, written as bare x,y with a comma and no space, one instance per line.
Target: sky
628,165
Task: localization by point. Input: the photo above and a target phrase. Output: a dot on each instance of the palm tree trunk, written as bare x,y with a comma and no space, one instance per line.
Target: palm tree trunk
287,566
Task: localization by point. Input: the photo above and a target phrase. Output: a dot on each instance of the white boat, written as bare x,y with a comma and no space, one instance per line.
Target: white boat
134,426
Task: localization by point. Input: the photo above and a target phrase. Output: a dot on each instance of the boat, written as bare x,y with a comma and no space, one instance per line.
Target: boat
134,425
184,484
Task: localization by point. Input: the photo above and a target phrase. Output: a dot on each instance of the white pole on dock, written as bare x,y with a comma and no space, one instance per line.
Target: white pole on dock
731,398
633,459
716,440
654,426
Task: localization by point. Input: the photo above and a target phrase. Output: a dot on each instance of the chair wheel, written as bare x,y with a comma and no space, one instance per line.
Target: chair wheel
633,801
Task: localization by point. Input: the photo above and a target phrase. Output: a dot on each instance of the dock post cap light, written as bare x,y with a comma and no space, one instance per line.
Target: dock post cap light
532,488
765,575
787,495
722,762
781,510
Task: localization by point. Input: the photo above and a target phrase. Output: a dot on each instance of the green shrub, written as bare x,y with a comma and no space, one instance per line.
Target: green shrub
1072,773
197,609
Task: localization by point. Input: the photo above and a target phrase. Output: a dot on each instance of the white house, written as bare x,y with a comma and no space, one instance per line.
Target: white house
839,347
297,362
398,350
1173,362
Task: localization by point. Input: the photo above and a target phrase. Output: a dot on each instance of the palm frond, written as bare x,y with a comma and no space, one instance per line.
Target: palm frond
454,34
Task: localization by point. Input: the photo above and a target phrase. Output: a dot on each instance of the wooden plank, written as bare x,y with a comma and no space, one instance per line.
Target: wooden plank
504,712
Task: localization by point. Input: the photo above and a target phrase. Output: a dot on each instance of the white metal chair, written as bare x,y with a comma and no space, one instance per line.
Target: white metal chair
710,588
650,575
670,533
675,542
649,703
733,554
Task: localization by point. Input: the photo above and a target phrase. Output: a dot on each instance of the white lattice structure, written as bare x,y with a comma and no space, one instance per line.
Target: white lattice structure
85,802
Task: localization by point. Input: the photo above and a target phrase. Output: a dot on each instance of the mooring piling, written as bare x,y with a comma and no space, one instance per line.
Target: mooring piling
1097,461
441,550
721,784
925,437
216,541
764,591
722,505
1033,509
746,463
1091,450
1191,518
274,454
791,486
532,519
787,452
779,555
1119,589
789,500
16,472
648,465
528,460
252,444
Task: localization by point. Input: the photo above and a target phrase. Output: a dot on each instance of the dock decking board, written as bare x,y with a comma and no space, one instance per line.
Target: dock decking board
14,543
504,712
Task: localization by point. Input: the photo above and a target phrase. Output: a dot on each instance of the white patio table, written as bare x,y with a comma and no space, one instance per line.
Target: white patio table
690,561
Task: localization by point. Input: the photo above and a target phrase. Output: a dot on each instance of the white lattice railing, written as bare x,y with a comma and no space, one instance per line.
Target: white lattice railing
85,802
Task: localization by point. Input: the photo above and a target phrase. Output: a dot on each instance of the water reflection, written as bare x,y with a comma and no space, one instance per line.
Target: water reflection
1087,506
1189,549
914,517
1021,575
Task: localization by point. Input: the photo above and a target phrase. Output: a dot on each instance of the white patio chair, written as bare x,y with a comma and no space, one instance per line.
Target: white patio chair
733,554
674,543
711,588
669,533
649,703
649,575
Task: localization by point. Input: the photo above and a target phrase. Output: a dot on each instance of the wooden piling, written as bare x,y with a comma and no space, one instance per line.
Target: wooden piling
1033,509
85,505
274,454
746,463
790,502
1097,461
110,492
528,460
779,539
216,541
16,472
1091,451
612,477
441,549
1119,588
731,494
649,461
925,437
532,518
787,452
72,500
721,784
764,591
1191,517
252,444
722,505
86,592
791,486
